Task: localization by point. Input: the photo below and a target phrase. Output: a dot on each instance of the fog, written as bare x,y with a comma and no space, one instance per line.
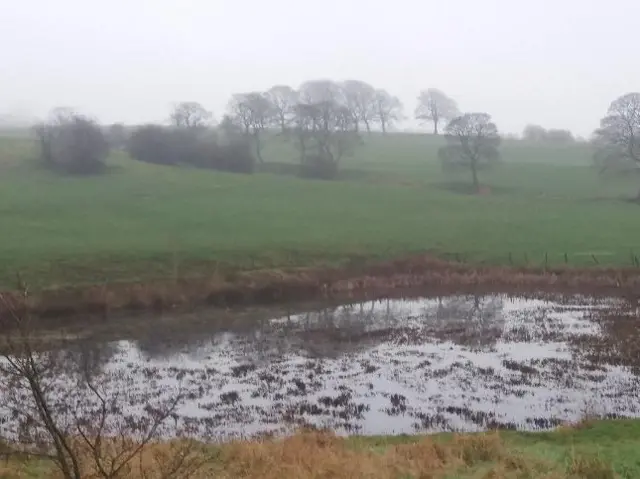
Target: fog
556,63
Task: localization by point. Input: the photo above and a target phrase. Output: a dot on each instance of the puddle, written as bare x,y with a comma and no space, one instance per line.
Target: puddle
461,363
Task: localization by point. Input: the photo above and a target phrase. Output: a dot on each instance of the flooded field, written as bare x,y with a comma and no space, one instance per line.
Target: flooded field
458,363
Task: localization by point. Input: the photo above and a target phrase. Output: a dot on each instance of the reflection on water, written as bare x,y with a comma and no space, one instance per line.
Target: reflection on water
394,366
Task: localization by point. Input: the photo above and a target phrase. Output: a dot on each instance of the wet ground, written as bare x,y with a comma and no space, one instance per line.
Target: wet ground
459,363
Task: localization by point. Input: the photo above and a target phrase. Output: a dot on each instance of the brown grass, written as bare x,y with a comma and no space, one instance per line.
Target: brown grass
315,455
590,467
322,455
375,279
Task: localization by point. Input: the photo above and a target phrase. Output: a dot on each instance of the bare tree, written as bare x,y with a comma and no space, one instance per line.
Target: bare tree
240,113
324,128
472,142
283,99
434,106
253,111
59,407
387,109
322,92
360,99
190,114
534,133
538,134
617,140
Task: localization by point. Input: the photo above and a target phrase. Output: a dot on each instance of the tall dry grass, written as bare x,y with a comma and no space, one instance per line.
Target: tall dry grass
322,455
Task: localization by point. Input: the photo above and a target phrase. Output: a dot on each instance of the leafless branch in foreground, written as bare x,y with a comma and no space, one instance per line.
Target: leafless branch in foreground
60,407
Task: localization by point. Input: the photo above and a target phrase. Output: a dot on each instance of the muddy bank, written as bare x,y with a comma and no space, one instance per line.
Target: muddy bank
418,274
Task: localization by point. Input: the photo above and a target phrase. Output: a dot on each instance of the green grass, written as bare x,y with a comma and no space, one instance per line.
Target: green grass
142,221
613,443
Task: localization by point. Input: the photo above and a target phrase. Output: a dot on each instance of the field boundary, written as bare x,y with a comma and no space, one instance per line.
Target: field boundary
401,277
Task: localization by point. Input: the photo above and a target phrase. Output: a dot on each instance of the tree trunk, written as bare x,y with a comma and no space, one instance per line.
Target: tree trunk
435,126
474,173
383,124
367,126
258,148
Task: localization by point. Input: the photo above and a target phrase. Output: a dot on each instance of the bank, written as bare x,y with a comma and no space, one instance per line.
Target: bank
589,449
367,279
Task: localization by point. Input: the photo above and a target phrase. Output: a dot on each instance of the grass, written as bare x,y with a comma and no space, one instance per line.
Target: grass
599,450
140,222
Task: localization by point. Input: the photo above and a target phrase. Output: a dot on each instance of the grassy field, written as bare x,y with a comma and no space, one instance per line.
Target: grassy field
597,450
142,221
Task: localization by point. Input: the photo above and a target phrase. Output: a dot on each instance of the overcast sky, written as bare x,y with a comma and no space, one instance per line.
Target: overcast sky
558,63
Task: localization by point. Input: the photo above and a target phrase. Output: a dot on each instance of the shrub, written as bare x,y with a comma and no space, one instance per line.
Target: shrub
73,145
319,166
235,156
152,144
190,146
117,135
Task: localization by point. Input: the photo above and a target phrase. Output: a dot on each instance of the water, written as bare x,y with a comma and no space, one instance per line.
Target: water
459,363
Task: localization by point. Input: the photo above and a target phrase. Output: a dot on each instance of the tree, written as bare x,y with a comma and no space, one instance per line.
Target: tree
325,128
229,130
617,140
283,99
538,134
387,109
190,114
360,99
560,136
72,143
61,407
534,133
472,142
253,111
434,106
117,135
240,113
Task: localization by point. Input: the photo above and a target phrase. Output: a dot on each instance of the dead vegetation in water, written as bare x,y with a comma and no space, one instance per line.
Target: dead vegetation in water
355,280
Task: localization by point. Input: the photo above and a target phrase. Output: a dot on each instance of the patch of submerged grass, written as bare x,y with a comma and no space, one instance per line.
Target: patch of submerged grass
601,450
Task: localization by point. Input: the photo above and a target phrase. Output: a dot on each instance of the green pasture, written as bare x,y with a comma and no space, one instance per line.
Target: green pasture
141,221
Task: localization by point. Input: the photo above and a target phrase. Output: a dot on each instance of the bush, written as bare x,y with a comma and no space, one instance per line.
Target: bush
190,146
320,167
73,145
117,135
235,156
152,144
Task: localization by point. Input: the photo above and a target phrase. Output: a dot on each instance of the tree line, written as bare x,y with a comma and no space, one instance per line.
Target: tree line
325,121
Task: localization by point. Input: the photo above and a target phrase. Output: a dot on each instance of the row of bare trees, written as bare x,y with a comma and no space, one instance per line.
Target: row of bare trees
280,105
323,118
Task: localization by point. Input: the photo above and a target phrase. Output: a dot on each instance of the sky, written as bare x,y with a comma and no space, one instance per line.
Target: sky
557,63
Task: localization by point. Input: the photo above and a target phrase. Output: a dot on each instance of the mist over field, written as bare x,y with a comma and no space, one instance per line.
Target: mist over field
557,64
